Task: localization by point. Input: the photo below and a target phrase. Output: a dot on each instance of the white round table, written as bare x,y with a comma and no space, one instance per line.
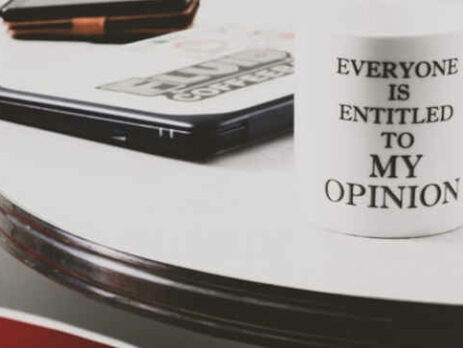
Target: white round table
222,246
217,246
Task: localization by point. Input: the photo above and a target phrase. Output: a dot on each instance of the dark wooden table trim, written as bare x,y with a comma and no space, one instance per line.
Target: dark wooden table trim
240,310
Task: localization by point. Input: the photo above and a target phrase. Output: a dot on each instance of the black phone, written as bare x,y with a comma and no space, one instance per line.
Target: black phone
192,94
33,10
97,20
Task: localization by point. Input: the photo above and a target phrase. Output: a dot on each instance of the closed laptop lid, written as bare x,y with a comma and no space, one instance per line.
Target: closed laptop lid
194,72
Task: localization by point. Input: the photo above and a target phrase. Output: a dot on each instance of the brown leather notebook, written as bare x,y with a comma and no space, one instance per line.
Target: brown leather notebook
110,27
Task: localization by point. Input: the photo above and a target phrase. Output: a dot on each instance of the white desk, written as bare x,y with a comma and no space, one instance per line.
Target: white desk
147,233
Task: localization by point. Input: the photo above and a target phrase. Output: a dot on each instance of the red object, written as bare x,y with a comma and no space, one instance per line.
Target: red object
15,334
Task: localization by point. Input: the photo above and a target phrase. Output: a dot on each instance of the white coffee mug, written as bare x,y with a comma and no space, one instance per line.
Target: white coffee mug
379,120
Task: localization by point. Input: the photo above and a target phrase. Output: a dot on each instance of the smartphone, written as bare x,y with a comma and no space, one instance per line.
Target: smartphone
96,23
192,94
33,10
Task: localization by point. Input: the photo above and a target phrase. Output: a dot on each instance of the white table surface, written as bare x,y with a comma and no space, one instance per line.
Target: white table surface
236,216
